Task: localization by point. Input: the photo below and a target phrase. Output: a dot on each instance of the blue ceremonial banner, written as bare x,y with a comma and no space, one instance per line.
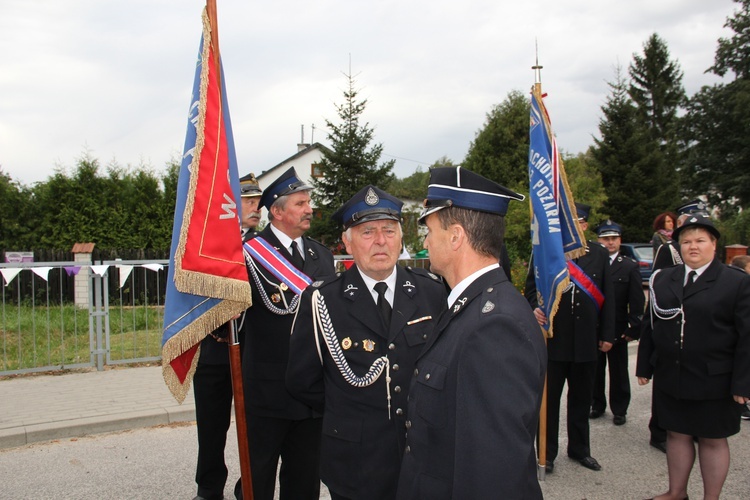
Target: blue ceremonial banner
207,283
556,235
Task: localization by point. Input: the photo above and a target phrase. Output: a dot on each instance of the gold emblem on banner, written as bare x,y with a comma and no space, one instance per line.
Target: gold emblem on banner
346,343
368,345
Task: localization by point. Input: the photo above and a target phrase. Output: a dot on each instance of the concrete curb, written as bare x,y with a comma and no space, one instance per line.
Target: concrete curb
79,427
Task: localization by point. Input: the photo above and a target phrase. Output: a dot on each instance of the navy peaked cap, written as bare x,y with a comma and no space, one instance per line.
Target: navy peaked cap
693,207
458,187
370,203
288,183
608,228
583,211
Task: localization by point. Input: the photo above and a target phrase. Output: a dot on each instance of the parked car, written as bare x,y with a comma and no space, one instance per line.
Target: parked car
643,253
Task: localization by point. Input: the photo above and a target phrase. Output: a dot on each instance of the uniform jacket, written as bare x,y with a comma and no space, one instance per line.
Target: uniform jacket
362,445
578,325
266,337
667,255
629,298
474,400
713,359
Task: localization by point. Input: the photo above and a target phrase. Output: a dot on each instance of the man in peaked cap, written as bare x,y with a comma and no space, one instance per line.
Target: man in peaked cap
584,325
212,382
356,367
250,194
281,263
629,304
477,387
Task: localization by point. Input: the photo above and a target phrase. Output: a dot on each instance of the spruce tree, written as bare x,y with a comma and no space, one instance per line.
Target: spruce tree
657,91
350,164
628,158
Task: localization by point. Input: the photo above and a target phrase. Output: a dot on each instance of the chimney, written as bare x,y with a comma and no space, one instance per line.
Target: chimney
302,145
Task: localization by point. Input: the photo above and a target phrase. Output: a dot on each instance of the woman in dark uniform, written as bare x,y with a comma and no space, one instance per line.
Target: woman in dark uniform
696,346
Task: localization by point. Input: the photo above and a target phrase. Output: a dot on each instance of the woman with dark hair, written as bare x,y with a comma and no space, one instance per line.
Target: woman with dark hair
696,345
664,224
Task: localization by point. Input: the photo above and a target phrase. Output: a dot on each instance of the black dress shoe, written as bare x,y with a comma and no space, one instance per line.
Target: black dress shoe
595,413
659,445
619,419
590,463
549,467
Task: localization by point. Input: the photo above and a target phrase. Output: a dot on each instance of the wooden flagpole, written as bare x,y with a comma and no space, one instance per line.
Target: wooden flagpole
235,363
542,436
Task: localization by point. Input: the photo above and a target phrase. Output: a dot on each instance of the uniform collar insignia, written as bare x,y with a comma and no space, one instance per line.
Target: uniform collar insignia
350,290
459,304
409,288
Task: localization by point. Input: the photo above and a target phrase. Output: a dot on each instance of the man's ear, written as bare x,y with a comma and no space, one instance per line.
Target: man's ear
457,235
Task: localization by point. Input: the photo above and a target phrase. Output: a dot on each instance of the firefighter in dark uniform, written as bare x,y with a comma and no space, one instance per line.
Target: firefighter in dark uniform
695,344
353,349
582,327
477,387
279,426
629,305
212,382
668,255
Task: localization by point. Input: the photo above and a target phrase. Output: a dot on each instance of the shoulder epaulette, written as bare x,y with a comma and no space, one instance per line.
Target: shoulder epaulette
424,272
314,241
324,281
735,269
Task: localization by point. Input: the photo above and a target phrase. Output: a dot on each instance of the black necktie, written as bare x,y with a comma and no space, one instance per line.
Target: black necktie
296,256
689,282
383,305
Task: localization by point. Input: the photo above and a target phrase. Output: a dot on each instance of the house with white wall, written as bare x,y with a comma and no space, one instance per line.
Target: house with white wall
306,161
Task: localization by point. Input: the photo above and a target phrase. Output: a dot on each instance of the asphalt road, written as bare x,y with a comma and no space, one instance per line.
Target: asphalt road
159,463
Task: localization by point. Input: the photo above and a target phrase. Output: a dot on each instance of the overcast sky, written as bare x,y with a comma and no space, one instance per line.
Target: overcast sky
114,77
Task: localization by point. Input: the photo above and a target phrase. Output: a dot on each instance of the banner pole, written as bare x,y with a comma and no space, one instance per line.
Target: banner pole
235,363
542,437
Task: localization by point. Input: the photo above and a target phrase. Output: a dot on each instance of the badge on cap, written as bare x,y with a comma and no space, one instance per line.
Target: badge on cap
371,198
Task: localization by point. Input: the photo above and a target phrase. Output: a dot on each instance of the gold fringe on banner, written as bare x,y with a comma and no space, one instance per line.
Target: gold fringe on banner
191,335
556,304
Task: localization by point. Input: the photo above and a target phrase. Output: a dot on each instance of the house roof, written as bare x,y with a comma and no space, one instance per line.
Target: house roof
311,147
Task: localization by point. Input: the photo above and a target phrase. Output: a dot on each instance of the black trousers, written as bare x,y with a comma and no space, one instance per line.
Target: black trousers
619,380
580,379
297,443
212,387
